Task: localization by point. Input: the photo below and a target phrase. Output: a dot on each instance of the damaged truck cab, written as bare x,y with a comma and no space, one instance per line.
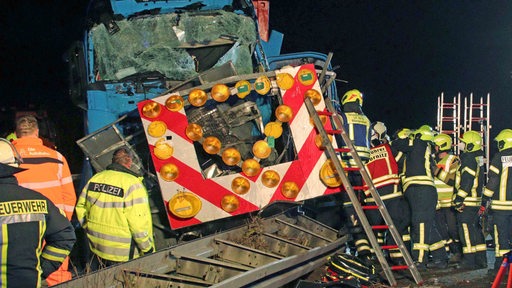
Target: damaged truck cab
213,112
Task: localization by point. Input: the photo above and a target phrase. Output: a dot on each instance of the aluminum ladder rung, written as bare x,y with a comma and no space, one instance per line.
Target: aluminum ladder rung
389,247
342,150
333,132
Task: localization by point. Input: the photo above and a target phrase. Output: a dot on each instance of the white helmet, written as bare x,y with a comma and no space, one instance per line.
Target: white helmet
8,154
379,131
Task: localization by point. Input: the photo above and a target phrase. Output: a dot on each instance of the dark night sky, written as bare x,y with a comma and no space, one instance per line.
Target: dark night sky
403,54
400,54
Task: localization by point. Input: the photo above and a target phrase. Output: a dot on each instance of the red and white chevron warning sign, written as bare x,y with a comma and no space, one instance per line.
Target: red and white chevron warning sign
304,171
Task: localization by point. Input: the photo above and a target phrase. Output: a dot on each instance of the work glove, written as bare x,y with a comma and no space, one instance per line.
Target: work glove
484,206
152,250
458,204
482,211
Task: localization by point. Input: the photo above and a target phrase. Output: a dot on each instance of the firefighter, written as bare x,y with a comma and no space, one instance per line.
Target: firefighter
35,236
403,133
469,184
383,169
421,194
498,192
114,211
357,126
444,178
47,173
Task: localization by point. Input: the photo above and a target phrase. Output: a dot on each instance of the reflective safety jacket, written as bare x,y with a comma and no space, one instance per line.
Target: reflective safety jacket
470,178
357,126
445,179
419,165
383,170
499,185
113,209
29,219
48,173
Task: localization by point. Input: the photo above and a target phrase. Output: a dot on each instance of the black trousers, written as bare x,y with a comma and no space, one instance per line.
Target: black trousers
502,234
97,263
350,219
425,237
446,221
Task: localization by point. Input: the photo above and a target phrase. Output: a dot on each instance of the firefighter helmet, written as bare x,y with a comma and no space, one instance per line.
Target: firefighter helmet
353,95
8,154
473,141
504,139
443,141
379,132
402,133
425,133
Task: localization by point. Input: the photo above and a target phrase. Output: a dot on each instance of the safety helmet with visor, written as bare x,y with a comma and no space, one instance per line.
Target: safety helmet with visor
425,133
504,139
353,95
443,141
379,133
402,133
472,141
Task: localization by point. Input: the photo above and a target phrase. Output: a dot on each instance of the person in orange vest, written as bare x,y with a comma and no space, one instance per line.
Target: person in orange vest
47,173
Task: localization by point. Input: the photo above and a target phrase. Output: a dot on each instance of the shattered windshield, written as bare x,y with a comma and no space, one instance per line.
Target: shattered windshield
178,46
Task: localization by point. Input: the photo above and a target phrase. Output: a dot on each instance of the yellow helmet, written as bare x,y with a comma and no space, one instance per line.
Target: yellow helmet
402,133
473,141
11,137
353,95
425,133
444,142
504,139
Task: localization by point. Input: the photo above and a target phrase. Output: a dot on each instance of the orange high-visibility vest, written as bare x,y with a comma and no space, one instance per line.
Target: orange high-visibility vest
48,173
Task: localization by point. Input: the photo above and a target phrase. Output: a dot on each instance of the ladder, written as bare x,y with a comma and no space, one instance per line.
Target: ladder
464,114
332,153
477,118
449,118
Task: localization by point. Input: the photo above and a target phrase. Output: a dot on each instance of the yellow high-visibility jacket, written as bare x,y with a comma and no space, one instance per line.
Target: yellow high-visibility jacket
445,179
113,209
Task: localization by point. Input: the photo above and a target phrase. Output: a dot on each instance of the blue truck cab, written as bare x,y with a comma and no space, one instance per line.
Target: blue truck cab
136,50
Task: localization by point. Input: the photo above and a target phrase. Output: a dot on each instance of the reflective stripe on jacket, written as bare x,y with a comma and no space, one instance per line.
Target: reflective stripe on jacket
499,186
419,165
382,167
357,126
445,179
48,173
470,177
113,208
27,220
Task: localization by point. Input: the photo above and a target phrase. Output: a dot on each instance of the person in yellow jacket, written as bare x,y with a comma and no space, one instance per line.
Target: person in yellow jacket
447,165
47,173
470,182
114,211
